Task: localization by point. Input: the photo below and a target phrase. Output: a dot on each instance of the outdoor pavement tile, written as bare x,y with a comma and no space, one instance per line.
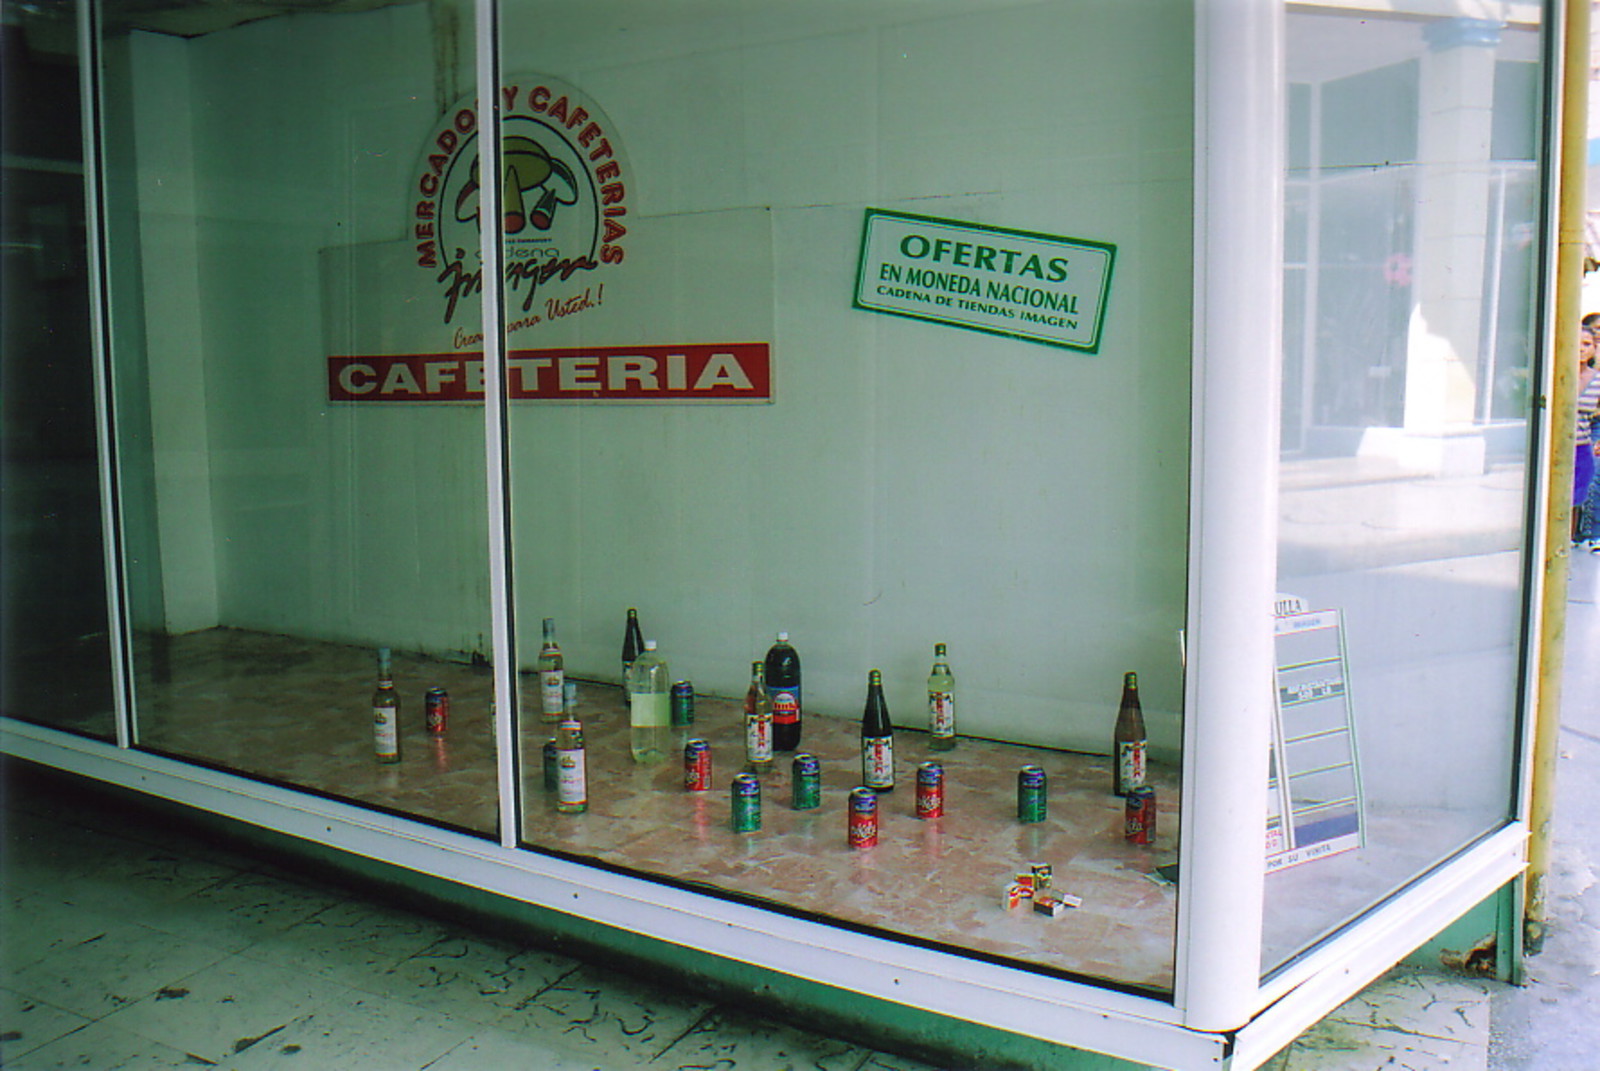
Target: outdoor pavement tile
104,1047
237,912
354,942
728,1041
354,1032
39,925
610,1016
26,1024
1337,1046
1429,1005
501,1050
883,1061
112,969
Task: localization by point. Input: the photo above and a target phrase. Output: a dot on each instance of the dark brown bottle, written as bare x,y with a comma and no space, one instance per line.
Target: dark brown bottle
1128,740
877,739
632,643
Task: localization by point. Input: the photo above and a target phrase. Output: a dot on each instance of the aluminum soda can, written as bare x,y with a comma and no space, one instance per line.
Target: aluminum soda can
746,803
863,830
682,705
436,710
697,766
1032,804
1139,825
930,790
807,782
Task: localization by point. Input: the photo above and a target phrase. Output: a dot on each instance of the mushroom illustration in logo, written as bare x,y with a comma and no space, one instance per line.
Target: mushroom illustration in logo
526,170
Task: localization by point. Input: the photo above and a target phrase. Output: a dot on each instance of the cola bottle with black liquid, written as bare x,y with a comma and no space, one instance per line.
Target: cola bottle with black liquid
783,685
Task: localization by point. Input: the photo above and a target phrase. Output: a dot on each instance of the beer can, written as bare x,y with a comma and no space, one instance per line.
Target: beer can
436,709
930,790
1139,825
863,831
552,767
697,766
746,803
682,705
807,782
1032,805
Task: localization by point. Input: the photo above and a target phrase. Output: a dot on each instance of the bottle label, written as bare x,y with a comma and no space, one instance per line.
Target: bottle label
648,710
385,732
552,690
785,706
572,786
1130,764
758,739
877,761
942,713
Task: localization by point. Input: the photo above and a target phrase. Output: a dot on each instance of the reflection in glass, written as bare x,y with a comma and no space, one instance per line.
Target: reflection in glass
283,525
54,630
1409,317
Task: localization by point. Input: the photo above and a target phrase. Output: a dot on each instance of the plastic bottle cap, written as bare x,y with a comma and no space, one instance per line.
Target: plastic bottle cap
783,637
649,645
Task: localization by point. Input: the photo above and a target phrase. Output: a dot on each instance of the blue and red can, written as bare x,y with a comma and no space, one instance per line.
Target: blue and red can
863,829
697,766
930,790
1139,825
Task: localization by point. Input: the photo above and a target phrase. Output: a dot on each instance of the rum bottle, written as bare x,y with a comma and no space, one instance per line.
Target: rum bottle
757,722
1129,742
650,706
877,739
385,712
552,675
783,684
572,780
941,702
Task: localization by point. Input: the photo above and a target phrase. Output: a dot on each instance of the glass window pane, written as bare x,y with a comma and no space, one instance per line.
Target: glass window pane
286,519
887,482
53,621
1404,473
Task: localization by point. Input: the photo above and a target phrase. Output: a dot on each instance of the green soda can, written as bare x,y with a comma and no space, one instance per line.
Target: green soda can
746,803
807,792
1032,805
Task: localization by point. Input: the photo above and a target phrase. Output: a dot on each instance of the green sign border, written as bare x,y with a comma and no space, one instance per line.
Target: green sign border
1104,297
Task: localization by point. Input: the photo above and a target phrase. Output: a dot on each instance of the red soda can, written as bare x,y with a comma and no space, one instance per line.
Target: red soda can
930,790
697,766
436,710
863,818
1139,826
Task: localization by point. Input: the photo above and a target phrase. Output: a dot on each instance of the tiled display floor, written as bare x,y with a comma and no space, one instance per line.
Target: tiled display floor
297,711
130,946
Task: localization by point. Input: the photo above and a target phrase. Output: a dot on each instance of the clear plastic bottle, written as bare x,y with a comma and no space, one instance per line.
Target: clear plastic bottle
650,706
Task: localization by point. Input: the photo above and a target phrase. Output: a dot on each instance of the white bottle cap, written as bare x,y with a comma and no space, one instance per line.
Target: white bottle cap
783,637
649,645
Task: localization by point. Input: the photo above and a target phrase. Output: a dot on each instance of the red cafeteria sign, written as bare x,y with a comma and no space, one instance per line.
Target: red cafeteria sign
718,372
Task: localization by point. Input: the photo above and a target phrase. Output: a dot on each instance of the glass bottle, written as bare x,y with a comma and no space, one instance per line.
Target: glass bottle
941,702
650,706
1129,742
877,739
783,685
385,712
552,675
572,781
632,643
757,722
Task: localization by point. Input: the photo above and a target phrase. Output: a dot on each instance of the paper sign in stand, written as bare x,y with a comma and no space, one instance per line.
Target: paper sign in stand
1314,802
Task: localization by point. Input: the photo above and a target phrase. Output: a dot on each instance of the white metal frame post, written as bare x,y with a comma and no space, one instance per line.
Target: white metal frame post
1239,47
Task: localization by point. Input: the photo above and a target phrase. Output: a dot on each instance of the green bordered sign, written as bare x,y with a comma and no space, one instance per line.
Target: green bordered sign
1036,287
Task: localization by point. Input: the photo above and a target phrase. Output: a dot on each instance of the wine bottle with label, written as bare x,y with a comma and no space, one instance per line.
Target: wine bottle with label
552,675
572,781
941,702
757,722
385,712
1129,742
877,739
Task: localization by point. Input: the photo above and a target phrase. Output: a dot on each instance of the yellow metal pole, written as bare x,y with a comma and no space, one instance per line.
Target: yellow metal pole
1574,144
